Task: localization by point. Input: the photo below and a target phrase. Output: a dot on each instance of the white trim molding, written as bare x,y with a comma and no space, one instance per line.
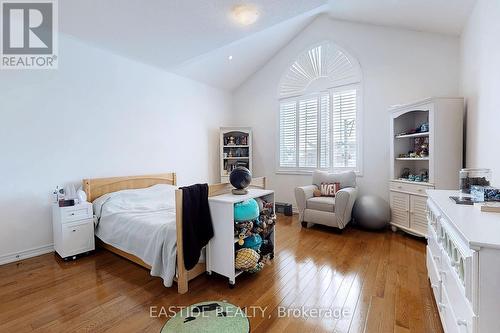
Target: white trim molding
25,254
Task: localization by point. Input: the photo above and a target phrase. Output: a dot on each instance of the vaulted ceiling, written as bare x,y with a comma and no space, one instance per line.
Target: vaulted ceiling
194,38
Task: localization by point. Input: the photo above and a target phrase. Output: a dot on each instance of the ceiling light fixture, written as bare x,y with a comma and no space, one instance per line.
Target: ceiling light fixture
245,14
230,57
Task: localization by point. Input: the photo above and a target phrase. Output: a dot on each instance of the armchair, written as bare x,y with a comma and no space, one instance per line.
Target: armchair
330,211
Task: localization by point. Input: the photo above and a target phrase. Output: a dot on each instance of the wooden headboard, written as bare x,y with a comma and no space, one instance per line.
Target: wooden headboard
94,188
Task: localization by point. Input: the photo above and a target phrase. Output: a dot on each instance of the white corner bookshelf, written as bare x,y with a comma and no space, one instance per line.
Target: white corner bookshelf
235,149
423,157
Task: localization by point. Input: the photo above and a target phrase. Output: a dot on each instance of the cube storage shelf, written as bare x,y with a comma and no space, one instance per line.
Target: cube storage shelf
221,248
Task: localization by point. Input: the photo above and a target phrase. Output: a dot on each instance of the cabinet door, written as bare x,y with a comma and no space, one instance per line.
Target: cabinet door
400,203
78,237
418,220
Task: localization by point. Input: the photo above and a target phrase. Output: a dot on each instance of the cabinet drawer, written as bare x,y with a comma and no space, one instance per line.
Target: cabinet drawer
453,322
78,237
70,214
434,276
455,291
434,248
416,189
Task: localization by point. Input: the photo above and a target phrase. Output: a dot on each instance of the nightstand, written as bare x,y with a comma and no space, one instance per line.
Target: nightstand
73,229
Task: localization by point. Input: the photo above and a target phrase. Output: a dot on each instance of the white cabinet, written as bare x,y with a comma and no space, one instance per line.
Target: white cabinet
425,142
463,260
408,207
220,249
73,229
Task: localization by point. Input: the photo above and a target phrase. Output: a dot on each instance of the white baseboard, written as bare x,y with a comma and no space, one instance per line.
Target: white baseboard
25,254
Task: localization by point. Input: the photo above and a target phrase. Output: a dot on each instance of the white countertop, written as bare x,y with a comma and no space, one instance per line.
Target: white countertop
233,198
479,229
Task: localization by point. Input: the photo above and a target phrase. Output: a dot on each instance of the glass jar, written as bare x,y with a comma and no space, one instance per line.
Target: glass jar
470,177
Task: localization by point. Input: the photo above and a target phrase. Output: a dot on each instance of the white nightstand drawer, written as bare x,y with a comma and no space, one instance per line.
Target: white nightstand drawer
78,237
76,213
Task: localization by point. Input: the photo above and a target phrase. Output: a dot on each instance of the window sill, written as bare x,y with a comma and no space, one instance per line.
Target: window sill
310,172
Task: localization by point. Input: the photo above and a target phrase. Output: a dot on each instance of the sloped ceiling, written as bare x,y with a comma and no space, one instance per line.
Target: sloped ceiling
166,33
247,55
194,38
441,16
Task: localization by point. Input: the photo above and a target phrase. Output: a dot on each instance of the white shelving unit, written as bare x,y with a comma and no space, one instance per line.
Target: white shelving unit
220,250
444,140
235,149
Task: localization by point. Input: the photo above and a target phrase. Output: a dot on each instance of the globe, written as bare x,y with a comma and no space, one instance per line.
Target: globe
240,178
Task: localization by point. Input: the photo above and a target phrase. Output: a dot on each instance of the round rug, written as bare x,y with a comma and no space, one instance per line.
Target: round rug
210,316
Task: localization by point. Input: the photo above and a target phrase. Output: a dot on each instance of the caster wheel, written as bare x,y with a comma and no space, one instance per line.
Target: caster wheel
394,229
231,285
209,273
304,224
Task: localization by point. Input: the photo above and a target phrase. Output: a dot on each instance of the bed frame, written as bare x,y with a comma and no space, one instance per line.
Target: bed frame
97,187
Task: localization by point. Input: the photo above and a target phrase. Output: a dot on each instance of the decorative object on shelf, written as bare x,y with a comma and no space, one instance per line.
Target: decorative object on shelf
230,141
240,178
405,174
484,193
209,316
491,194
371,212
424,128
422,146
246,259
424,174
246,211
253,242
470,177
243,230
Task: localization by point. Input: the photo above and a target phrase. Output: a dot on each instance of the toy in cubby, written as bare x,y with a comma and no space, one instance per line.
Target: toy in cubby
254,225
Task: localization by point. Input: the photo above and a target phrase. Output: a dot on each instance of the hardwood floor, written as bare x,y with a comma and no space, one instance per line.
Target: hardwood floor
379,280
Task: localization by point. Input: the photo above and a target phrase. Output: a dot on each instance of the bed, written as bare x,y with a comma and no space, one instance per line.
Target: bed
168,233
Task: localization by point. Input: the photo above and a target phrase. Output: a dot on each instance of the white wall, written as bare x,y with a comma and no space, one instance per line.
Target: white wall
98,115
398,66
480,86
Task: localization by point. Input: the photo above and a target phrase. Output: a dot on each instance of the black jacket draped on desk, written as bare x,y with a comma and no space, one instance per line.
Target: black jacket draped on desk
197,227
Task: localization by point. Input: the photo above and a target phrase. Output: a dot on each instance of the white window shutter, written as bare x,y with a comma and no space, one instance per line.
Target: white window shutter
308,132
288,135
325,137
344,129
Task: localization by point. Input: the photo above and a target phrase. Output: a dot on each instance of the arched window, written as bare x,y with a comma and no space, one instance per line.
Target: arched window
320,111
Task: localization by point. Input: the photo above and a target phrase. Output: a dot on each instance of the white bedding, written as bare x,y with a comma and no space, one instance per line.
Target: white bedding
141,222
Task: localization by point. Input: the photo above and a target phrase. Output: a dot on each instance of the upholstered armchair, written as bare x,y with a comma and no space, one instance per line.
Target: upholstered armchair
330,211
